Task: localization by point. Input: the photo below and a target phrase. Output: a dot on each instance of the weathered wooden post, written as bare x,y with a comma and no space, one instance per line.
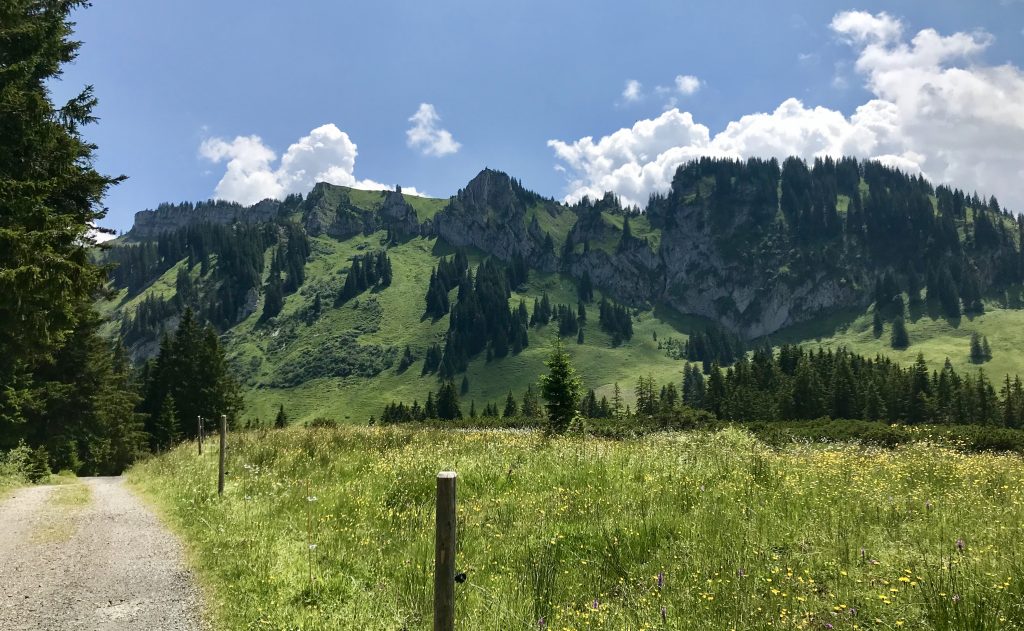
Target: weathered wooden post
199,433
444,553
223,450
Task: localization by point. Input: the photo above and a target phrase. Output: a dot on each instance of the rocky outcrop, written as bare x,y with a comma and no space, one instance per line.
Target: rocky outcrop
329,210
491,214
149,224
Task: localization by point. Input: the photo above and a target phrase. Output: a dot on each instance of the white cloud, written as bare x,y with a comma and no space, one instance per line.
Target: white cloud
860,26
326,154
100,236
687,84
936,110
426,136
633,91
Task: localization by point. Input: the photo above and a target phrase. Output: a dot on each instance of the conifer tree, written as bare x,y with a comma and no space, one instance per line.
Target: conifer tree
560,388
50,197
977,352
900,339
166,428
281,420
531,404
511,409
448,402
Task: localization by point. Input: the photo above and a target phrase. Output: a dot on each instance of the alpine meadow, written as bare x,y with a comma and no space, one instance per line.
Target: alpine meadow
762,378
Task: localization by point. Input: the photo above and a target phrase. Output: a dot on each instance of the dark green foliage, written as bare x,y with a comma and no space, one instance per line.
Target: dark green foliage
585,288
560,389
798,384
626,240
616,321
900,339
407,359
368,271
218,296
568,320
281,420
541,310
448,402
714,344
511,408
274,300
482,320
293,260
981,352
166,429
50,196
191,370
432,360
450,273
518,271
531,404
693,386
464,388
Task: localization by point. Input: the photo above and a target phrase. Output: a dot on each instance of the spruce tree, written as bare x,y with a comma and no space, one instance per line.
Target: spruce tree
281,421
977,353
50,198
448,402
560,388
167,429
531,405
900,339
511,409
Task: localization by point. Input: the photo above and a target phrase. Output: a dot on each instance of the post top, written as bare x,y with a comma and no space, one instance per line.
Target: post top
447,474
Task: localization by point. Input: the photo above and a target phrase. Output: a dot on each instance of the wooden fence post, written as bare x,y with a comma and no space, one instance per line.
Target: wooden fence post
444,553
223,449
199,433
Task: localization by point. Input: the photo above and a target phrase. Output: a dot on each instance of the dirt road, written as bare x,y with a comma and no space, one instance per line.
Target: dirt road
90,556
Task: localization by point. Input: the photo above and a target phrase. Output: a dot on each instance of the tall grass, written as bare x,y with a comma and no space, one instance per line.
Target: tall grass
333,528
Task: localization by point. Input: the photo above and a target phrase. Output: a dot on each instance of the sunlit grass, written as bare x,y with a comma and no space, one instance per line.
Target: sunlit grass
57,523
333,529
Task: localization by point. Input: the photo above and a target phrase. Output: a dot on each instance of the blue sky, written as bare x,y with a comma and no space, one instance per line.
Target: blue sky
179,82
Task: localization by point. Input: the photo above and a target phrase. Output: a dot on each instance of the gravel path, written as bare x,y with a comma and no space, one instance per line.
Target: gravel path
107,564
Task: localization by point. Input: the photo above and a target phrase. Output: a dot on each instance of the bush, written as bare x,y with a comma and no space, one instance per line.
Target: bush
23,464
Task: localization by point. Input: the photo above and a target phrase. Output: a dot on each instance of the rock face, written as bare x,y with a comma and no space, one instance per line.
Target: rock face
697,268
149,224
726,266
491,214
329,210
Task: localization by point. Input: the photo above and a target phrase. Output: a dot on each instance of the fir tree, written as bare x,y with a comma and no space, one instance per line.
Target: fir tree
281,420
560,388
166,428
531,404
511,409
900,339
448,402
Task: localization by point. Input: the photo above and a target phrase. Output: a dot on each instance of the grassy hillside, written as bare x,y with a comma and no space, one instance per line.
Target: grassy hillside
343,364
393,318
333,529
936,337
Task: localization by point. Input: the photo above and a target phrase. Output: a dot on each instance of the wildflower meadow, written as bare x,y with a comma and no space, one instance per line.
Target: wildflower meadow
333,528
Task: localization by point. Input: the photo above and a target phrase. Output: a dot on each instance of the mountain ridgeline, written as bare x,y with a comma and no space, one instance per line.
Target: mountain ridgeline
747,248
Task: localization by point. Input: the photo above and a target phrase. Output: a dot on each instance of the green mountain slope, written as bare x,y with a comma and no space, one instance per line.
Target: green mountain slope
724,247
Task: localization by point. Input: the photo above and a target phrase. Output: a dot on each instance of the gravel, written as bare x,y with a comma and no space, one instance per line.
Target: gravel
114,568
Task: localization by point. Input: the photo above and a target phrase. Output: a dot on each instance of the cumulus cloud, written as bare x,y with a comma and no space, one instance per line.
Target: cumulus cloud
936,110
326,154
426,134
633,91
687,84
